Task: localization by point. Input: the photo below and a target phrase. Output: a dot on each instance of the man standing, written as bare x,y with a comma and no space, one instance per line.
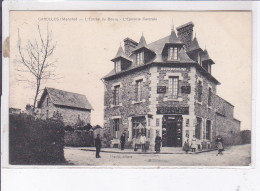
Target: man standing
143,141
122,141
98,145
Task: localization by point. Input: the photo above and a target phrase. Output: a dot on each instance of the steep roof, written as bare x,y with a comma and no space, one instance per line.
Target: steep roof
156,47
205,56
121,54
65,98
173,39
194,45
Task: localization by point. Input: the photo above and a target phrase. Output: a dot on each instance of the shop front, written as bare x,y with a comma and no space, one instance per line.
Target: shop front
172,125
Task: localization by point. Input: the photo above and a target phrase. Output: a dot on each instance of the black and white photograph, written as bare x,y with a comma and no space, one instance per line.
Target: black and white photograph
130,88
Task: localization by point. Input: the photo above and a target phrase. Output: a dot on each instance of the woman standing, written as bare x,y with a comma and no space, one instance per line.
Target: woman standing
158,141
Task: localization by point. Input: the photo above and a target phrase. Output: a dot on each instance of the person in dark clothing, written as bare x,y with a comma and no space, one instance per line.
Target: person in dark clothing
158,141
220,146
98,146
122,141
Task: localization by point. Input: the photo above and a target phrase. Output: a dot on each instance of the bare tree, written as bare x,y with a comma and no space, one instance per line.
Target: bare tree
35,59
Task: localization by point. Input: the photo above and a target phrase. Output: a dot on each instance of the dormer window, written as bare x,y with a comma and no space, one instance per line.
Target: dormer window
140,58
118,66
173,53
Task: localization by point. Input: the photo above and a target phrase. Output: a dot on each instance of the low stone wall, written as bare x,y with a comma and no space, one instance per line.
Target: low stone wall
78,138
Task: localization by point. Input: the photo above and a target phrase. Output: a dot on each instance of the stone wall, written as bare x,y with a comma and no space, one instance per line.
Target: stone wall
70,116
128,106
226,125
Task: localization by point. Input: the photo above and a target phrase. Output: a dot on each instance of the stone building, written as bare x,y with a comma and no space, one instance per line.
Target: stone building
165,87
72,108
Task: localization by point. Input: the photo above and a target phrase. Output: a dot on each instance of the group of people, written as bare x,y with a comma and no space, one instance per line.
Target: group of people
193,145
158,140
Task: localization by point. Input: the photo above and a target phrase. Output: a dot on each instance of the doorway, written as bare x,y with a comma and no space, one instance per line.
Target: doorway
172,131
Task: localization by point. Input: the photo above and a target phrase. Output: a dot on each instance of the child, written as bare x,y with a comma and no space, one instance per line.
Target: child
193,144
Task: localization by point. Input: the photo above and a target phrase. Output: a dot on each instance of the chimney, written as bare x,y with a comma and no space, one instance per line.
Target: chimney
130,45
185,34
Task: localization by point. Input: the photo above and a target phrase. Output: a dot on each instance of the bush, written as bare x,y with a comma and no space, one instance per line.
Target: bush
35,141
78,138
245,136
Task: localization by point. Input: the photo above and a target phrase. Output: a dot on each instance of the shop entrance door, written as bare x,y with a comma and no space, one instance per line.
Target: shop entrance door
173,135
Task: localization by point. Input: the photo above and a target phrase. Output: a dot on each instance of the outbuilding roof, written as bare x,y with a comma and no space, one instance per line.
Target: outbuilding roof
66,99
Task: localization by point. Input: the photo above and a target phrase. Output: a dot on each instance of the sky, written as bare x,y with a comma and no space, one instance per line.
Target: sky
88,40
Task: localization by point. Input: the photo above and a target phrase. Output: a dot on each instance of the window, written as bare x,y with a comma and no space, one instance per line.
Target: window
200,91
208,129
187,122
198,128
209,97
47,101
116,95
118,66
140,58
116,128
139,126
157,122
47,114
173,87
173,53
139,89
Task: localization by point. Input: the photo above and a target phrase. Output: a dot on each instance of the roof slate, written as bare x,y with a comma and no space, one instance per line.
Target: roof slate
194,45
69,99
121,53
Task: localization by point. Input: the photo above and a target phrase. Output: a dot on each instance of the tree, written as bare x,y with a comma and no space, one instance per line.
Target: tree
35,59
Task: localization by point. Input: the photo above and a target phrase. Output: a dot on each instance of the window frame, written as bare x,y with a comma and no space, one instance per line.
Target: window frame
140,58
173,88
118,66
200,90
198,128
116,96
135,122
139,90
116,127
208,131
210,97
173,53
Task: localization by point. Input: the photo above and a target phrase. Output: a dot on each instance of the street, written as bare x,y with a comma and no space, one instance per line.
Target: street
233,156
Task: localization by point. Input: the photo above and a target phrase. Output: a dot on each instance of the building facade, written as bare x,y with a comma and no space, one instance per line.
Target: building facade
165,87
72,108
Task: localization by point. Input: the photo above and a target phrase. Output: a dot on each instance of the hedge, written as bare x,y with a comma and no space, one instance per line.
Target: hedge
35,141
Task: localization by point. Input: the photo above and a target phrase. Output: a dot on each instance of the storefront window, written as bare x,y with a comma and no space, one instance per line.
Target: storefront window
139,126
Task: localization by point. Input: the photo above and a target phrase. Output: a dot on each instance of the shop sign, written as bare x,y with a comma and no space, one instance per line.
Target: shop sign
185,89
161,89
173,69
173,110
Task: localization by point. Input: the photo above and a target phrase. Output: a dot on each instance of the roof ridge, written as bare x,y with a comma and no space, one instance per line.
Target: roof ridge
65,91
